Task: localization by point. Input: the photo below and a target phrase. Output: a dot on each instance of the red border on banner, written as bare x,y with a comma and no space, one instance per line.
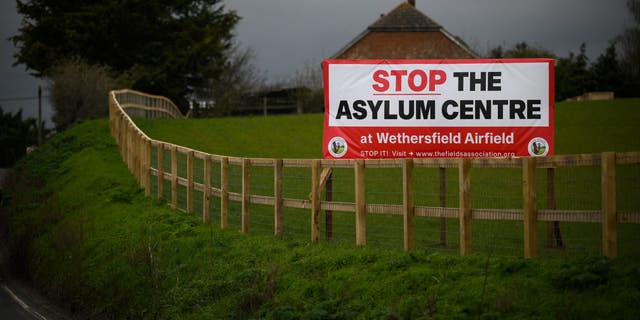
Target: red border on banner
445,142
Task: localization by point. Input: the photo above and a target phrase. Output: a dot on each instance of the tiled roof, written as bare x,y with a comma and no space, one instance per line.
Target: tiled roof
404,17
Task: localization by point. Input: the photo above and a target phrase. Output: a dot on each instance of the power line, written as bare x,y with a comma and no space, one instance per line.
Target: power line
14,99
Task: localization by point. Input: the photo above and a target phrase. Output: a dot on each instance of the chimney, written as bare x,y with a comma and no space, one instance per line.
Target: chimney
412,2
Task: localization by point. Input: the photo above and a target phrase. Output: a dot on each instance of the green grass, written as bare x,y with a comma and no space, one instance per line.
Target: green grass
82,229
580,127
597,126
287,136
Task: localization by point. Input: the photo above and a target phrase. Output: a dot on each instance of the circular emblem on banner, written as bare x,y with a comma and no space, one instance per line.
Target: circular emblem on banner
538,147
337,147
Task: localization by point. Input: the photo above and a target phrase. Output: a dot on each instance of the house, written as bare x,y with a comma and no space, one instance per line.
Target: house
405,33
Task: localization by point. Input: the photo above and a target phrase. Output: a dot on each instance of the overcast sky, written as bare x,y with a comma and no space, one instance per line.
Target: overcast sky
18,90
287,34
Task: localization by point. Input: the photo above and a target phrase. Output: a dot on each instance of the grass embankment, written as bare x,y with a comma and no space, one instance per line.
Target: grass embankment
88,236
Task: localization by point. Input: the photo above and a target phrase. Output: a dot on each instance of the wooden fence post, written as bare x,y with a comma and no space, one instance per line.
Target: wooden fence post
361,205
407,204
127,148
554,235
121,137
147,167
135,153
129,151
125,139
130,148
224,193
609,214
190,182
315,201
160,170
116,124
174,177
277,195
530,211
206,203
141,159
443,204
328,214
246,195
464,181
132,151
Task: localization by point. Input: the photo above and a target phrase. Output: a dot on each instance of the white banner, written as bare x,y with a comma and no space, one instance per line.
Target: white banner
439,94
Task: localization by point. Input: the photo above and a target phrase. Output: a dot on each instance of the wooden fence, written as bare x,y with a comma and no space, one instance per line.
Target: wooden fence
136,150
142,105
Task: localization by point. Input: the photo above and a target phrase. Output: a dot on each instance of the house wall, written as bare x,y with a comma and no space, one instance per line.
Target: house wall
405,45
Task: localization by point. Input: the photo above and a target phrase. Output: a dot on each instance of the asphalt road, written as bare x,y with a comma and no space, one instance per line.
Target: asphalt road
18,300
13,307
9,308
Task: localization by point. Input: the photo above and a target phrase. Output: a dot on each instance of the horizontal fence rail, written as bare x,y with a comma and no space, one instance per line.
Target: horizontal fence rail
142,105
191,180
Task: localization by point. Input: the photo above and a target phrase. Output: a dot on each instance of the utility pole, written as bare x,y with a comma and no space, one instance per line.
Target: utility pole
39,115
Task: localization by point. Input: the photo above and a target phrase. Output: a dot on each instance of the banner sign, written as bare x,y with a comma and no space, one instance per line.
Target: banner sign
438,108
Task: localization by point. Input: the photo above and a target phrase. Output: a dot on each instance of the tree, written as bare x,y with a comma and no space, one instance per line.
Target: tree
629,42
605,72
79,91
496,53
165,47
309,88
520,50
572,75
238,78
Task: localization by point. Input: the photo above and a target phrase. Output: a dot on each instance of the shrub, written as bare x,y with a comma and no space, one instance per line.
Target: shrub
79,90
